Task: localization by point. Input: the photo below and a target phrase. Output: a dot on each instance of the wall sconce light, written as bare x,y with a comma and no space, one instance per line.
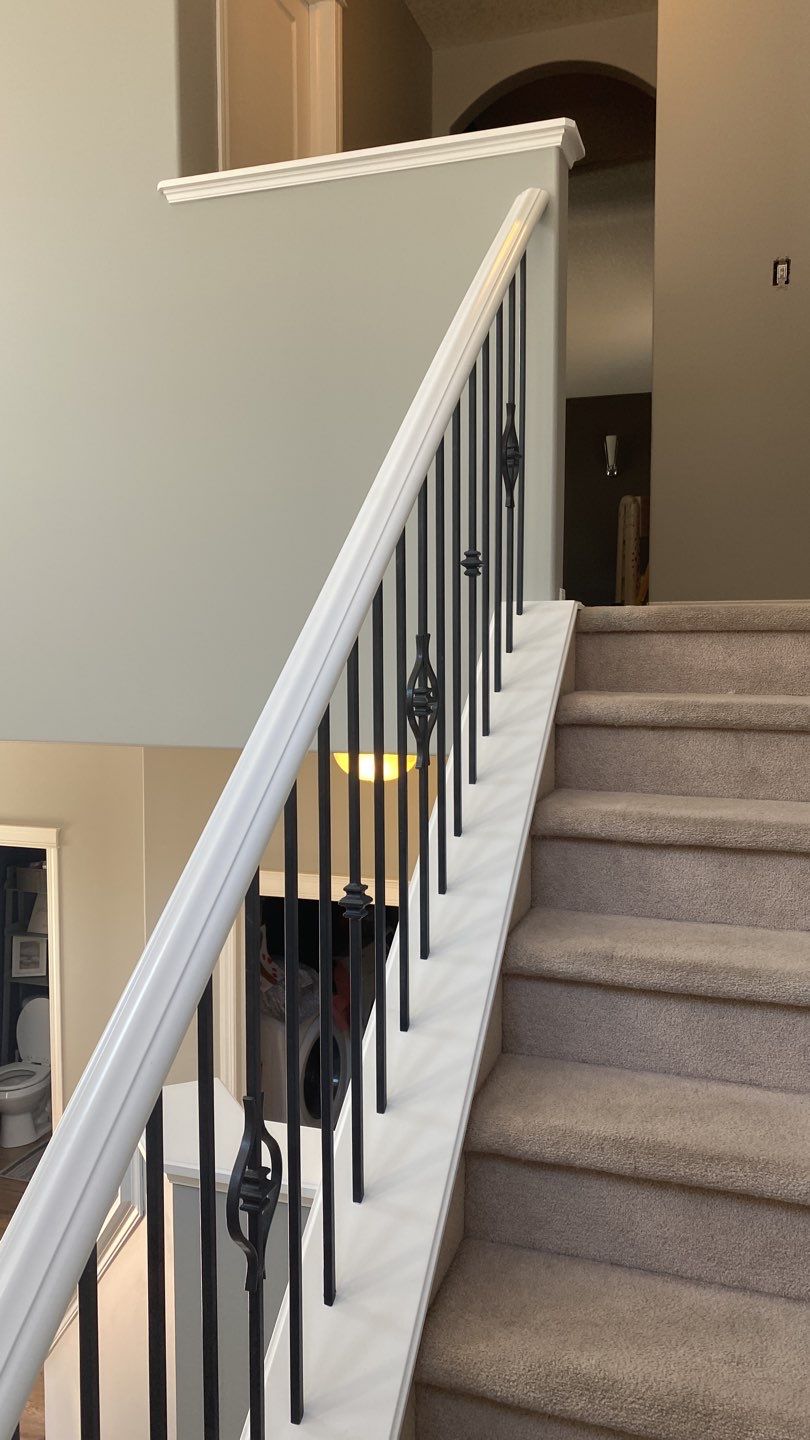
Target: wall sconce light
366,767
611,455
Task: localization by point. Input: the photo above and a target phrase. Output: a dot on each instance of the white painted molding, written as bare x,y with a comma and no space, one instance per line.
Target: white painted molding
126,1214
325,76
231,970
446,150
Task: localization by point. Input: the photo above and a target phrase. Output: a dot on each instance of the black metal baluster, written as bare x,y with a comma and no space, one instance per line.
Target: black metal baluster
485,442
521,486
254,1188
423,707
89,1412
402,783
327,1042
378,703
293,1039
510,499
16,1435
208,1212
355,907
441,718
455,545
156,1274
472,569
498,577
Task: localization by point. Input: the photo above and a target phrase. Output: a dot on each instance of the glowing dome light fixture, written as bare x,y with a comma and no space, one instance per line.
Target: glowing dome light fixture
366,765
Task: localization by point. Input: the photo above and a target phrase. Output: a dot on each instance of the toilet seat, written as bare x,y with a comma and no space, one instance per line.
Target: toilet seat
23,1075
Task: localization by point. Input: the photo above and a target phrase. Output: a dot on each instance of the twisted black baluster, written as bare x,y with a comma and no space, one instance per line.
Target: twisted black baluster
90,1420
208,1212
402,783
378,704
455,545
327,1042
498,645
485,445
156,1274
355,908
471,565
521,520
423,705
441,718
293,1038
254,1187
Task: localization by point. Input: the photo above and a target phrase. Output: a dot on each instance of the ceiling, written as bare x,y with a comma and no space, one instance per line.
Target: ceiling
460,22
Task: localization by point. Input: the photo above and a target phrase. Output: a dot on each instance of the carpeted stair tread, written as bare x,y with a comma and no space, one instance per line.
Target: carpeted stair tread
709,1134
697,616
618,1348
684,711
675,957
675,820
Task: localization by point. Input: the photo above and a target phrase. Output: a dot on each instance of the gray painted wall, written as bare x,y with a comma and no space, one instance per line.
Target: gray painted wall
731,424
184,390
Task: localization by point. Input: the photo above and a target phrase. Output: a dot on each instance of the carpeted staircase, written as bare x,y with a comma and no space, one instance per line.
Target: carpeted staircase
636,1252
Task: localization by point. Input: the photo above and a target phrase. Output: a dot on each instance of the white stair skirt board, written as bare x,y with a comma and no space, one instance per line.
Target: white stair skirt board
359,1354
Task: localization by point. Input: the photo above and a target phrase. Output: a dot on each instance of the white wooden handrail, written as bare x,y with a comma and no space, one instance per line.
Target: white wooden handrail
55,1227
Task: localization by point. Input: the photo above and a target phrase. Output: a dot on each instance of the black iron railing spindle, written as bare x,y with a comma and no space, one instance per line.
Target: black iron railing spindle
472,569
485,446
156,1274
326,982
455,547
498,576
422,708
208,1213
402,780
510,500
89,1408
378,706
293,1041
521,484
441,677
254,1108
355,907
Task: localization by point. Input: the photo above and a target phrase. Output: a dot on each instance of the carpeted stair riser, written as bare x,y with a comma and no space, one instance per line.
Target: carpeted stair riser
446,1415
744,1043
710,663
758,765
710,1236
725,887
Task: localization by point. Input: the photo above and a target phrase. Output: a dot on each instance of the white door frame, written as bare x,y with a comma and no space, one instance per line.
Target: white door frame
325,76
33,837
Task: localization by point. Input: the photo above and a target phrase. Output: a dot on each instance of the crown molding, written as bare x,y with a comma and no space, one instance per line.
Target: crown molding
352,164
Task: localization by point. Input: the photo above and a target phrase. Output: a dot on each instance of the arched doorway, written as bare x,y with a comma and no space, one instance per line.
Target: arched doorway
610,278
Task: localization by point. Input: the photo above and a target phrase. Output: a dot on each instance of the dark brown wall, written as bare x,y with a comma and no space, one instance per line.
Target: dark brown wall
591,499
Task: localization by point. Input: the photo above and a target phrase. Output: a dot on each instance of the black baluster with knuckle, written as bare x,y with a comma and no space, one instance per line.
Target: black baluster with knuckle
455,549
498,577
254,1187
485,507
471,565
378,704
326,973
423,706
510,470
355,908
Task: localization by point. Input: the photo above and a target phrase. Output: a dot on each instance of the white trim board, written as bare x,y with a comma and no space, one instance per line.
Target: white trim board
444,150
359,1354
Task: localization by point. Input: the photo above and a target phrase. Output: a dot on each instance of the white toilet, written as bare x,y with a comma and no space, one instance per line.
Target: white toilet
25,1087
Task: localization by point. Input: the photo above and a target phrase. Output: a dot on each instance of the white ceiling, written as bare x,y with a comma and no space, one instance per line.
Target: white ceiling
460,22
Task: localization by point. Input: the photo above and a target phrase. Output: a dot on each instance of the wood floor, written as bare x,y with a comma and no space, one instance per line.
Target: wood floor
32,1423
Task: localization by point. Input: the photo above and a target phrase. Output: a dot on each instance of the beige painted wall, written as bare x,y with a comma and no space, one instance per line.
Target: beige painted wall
463,73
94,794
731,423
387,75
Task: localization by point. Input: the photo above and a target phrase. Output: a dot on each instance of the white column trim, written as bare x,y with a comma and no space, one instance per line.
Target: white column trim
325,76
414,155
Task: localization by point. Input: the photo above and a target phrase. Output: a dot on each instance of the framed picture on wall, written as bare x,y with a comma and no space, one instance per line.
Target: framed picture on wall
29,957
